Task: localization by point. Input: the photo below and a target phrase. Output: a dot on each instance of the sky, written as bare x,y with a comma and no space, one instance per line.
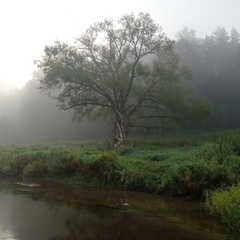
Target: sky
27,26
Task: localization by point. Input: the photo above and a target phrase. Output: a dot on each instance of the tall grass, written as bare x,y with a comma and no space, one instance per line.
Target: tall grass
174,166
226,205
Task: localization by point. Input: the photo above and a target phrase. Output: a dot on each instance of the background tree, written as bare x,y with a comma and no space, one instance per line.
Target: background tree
41,121
125,71
190,49
27,117
215,63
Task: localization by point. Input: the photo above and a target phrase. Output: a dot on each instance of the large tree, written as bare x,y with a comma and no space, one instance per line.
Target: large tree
125,71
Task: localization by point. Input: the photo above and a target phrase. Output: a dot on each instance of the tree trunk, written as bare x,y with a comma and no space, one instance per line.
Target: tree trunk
120,133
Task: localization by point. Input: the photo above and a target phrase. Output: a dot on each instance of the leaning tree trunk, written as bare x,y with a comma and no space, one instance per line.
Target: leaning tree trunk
120,132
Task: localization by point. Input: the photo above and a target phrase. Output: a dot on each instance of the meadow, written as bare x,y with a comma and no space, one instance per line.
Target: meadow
204,166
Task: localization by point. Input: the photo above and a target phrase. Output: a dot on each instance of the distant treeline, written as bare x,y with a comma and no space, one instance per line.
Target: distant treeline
27,116
215,65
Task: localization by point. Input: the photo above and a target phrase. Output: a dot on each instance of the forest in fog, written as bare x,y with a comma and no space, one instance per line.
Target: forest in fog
215,65
28,116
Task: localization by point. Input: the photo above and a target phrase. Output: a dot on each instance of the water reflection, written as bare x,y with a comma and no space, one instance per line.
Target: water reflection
48,211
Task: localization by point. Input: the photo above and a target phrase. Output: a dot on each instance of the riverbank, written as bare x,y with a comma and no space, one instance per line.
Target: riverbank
172,166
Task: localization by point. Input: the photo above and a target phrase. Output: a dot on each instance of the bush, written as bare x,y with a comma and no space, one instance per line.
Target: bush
157,157
20,160
34,169
196,177
226,205
218,152
105,167
235,141
126,150
134,181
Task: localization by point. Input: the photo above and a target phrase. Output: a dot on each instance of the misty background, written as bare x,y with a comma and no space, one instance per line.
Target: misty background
28,116
27,26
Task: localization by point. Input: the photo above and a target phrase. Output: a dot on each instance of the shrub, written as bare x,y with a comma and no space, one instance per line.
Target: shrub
77,161
35,168
219,151
134,181
56,162
157,157
191,178
20,160
235,141
226,205
126,150
105,167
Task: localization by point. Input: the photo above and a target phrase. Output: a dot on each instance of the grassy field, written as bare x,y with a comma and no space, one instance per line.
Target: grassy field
202,165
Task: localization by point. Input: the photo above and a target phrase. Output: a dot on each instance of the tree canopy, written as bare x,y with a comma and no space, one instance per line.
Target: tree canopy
122,70
215,63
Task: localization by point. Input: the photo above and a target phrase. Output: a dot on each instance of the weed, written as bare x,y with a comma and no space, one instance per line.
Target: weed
35,168
105,167
235,141
226,205
170,166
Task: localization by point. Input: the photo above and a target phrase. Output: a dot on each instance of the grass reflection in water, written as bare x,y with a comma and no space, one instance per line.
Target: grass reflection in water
46,210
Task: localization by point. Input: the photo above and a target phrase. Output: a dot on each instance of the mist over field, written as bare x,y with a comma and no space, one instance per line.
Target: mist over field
207,41
29,116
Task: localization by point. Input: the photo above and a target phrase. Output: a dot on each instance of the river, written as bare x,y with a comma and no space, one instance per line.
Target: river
45,210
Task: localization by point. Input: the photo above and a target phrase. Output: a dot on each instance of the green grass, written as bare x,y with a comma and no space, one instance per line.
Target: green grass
178,166
175,166
226,205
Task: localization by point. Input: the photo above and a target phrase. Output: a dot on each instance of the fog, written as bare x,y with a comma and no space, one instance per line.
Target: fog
214,62
29,116
207,42
27,26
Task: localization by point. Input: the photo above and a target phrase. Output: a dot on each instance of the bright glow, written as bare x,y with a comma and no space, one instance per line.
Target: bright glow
26,26
6,235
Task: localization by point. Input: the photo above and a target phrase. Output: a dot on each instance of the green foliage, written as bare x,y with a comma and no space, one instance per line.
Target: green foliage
105,167
235,142
226,205
126,150
184,166
219,151
157,157
199,108
112,73
36,168
191,178
217,56
167,142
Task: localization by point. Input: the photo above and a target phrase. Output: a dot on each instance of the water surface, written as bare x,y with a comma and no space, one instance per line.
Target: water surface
44,210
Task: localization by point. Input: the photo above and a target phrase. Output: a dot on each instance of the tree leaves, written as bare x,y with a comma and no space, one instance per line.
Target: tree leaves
121,68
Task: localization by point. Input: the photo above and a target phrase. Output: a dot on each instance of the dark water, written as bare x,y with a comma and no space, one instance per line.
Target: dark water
49,211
